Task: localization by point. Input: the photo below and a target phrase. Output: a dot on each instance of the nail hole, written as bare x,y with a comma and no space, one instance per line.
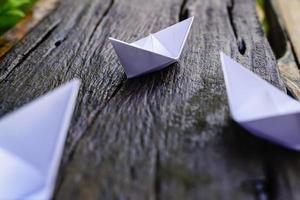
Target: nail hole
241,46
57,43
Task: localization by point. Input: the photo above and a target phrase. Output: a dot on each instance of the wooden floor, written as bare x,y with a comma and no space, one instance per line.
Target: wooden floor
167,135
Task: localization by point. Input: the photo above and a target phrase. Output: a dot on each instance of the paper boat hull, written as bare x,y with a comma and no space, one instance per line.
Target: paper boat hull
283,130
18,177
153,52
137,61
31,144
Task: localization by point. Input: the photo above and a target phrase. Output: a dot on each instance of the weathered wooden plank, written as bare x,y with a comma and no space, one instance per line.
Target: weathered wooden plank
15,34
289,11
281,40
285,164
162,136
289,71
161,118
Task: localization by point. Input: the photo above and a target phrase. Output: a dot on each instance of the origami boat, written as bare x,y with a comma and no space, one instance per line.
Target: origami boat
153,52
261,108
31,144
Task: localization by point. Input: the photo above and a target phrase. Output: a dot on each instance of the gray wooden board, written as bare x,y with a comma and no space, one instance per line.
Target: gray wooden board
166,135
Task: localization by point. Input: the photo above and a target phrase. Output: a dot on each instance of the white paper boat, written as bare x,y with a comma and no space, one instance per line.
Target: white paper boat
153,52
260,107
31,144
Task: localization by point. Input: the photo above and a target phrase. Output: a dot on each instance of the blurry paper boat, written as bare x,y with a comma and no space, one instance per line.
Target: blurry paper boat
154,52
260,107
31,144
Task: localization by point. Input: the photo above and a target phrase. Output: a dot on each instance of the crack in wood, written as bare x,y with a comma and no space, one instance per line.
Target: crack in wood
105,13
23,57
241,45
276,36
183,12
157,178
101,18
230,7
268,187
294,53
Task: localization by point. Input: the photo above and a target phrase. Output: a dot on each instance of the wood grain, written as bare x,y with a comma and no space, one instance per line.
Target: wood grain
290,16
167,135
15,34
282,39
286,164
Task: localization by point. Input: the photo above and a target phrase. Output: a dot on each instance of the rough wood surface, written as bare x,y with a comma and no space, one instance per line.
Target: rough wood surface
284,41
283,38
15,34
167,135
290,16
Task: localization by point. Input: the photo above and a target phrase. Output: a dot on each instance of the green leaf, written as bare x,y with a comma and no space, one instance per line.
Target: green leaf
15,12
17,3
10,18
11,11
261,3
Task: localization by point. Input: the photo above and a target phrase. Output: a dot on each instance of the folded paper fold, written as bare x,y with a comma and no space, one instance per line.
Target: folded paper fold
31,144
260,107
153,52
19,178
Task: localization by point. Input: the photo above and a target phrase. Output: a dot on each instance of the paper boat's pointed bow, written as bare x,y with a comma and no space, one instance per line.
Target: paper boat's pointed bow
260,107
31,144
154,52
